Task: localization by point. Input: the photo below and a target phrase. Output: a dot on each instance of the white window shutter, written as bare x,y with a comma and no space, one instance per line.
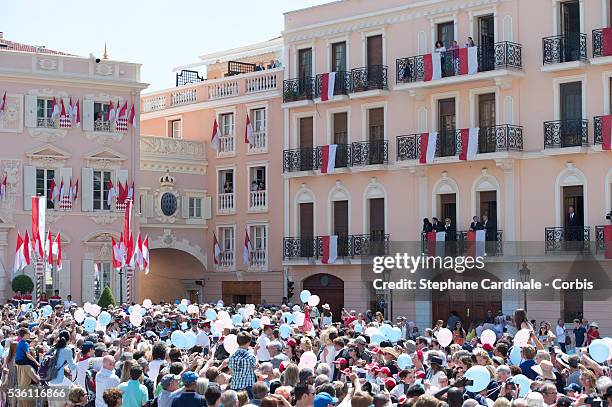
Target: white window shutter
149,205
29,186
508,31
185,207
509,110
422,43
64,279
30,110
88,115
207,207
86,189
422,119
88,281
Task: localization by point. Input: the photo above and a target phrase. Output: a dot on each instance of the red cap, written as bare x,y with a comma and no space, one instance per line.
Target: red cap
402,399
389,383
342,361
291,342
420,374
385,370
375,369
346,371
283,366
488,347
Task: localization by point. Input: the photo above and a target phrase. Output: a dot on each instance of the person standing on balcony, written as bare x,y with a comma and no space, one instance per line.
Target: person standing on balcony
490,227
476,225
470,43
572,224
436,225
427,226
450,230
254,186
439,47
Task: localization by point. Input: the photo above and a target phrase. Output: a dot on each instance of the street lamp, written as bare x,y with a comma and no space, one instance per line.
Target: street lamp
524,275
388,305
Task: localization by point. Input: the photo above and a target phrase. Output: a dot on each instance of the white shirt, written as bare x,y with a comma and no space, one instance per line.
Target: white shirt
105,379
68,304
83,366
262,353
154,369
560,331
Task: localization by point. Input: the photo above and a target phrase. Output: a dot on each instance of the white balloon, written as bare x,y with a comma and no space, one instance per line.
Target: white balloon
308,359
95,309
86,307
79,315
250,306
184,301
522,337
223,315
445,337
193,309
608,342
265,320
230,343
218,326
314,300
147,303
371,331
488,336
298,317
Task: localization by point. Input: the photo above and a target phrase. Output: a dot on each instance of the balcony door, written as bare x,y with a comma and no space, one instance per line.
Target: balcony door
573,196
306,229
570,110
377,219
374,50
305,71
338,57
486,41
570,28
488,205
446,33
306,143
446,127
486,122
341,226
340,121
448,208
376,134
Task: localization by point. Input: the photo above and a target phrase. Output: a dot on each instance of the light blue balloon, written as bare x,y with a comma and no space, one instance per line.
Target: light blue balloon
515,355
211,314
178,338
130,309
184,325
47,310
599,351
143,312
395,334
377,338
305,296
190,340
288,317
385,329
524,384
256,323
90,324
104,318
358,328
237,319
285,331
182,308
34,316
404,361
481,377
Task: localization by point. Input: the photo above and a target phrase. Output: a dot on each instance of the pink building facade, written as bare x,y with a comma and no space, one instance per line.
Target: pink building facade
37,150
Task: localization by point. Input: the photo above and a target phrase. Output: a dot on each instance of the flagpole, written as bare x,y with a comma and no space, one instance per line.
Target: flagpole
121,285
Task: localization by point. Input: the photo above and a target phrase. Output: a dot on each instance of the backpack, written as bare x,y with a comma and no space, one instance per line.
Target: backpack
48,370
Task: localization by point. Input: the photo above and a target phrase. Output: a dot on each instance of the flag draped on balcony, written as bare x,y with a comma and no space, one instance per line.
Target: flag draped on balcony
76,114
468,61
608,241
476,242
435,243
54,109
432,66
65,122
607,41
328,158
328,80
330,249
54,190
248,247
215,140
110,114
121,120
38,222
606,132
469,143
248,132
428,147
22,252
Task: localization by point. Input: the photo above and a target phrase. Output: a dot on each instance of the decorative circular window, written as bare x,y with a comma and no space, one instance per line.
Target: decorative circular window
168,203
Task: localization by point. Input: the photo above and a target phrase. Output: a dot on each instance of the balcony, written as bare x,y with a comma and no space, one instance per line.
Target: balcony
225,203
598,44
598,131
349,246
566,133
258,201
494,139
258,259
567,239
103,126
226,145
226,259
260,142
342,84
369,153
299,159
461,246
504,57
47,123
599,240
561,49
343,156
369,78
214,90
299,89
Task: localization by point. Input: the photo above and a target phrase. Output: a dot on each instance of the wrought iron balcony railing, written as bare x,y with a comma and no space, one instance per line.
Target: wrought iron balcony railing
598,130
342,84
298,89
447,143
47,122
598,43
575,238
566,133
501,55
343,156
564,48
299,159
369,78
350,246
369,152
493,245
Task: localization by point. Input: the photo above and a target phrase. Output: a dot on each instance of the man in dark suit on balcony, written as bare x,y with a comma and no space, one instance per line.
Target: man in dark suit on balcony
476,225
437,226
573,226
450,230
490,227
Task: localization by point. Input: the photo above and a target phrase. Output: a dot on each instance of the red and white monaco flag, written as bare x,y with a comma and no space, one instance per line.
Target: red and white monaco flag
77,114
328,158
435,243
428,147
215,140
248,247
137,259
132,117
56,249
112,192
39,205
74,190
607,241
49,248
117,259
606,132
145,254
3,189
476,242
330,249
248,131
216,249
3,104
468,61
22,252
469,143
54,109
432,65
328,80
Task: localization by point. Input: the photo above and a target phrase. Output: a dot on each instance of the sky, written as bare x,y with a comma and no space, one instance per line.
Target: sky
159,34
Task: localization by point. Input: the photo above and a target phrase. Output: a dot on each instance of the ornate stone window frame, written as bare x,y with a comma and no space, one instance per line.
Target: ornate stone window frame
104,137
104,158
47,156
166,182
46,134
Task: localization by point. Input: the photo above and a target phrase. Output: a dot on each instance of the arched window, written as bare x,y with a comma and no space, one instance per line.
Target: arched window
445,199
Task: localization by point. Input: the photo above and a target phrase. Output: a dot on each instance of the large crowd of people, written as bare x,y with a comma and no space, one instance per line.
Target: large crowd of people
189,355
